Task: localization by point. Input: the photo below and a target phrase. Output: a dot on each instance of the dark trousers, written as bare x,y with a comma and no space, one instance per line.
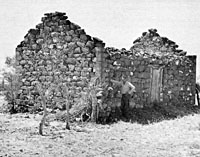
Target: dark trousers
125,105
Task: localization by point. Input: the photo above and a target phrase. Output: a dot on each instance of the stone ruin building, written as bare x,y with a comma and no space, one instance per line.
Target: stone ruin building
59,50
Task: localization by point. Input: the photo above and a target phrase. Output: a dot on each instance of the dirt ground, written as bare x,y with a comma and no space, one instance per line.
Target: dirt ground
170,138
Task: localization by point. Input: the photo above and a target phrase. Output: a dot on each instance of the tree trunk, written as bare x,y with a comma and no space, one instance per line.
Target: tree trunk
13,109
198,101
197,92
67,98
43,97
44,114
67,108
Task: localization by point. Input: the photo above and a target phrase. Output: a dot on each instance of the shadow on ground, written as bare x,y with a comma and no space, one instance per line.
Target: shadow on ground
156,113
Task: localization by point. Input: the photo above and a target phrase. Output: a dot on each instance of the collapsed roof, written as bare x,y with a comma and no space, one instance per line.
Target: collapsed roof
151,45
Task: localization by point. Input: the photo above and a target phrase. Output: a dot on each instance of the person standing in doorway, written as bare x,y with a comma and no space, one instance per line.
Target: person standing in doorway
127,89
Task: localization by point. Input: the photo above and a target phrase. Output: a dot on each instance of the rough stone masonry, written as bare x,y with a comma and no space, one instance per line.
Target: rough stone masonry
59,50
162,73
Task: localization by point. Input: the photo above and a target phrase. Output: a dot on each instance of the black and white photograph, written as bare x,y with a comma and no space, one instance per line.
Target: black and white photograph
100,78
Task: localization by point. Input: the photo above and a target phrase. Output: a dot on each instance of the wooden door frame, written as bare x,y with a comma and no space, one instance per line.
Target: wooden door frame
160,85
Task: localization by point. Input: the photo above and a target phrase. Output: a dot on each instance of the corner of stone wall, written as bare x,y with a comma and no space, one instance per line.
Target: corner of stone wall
99,51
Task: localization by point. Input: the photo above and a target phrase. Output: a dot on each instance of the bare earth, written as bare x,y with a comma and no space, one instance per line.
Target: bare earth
170,138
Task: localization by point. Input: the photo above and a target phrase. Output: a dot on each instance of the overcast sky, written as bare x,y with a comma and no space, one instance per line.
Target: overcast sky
117,22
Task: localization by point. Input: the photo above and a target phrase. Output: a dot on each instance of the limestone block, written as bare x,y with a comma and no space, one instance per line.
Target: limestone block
80,31
83,37
72,45
68,38
55,34
77,73
71,32
67,28
22,62
59,46
144,75
71,61
83,74
51,46
42,78
78,68
65,45
89,55
81,84
77,50
56,40
80,44
62,33
71,67
74,26
85,50
39,41
90,44
141,68
27,83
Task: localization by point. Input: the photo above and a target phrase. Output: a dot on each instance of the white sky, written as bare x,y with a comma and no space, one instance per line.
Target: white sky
117,22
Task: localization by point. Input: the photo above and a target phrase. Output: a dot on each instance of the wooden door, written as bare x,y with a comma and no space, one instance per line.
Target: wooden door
156,84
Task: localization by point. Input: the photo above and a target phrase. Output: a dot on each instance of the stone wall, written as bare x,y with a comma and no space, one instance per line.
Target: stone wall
120,63
179,80
56,51
177,84
149,54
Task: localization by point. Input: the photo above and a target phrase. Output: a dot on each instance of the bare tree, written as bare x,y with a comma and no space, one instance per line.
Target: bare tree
11,89
95,88
67,103
44,100
44,96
